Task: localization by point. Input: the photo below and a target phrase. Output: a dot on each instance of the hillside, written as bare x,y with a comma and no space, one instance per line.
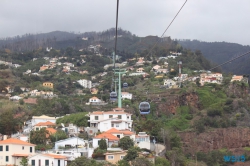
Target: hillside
219,52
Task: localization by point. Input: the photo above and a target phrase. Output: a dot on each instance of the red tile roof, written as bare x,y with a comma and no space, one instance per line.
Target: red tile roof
51,130
108,136
15,141
48,123
125,132
55,156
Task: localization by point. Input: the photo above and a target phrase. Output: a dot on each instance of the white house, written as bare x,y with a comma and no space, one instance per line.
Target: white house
43,118
72,142
104,121
211,78
94,100
142,140
169,83
12,150
110,139
85,83
47,160
126,95
15,98
121,133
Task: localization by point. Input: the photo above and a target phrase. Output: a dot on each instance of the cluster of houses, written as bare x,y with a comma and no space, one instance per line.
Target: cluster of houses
111,126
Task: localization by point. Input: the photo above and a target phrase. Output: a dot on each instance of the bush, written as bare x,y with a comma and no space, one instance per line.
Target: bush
214,112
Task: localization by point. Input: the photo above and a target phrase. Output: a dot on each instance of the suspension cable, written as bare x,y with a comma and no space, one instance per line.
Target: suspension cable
230,60
167,28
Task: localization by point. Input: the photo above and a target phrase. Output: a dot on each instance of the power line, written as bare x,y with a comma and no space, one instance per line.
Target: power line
230,60
167,27
117,8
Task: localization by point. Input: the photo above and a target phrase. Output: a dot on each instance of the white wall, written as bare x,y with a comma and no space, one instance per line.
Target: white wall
42,159
70,141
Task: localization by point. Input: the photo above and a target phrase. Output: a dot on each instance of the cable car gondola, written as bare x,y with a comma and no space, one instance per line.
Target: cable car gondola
113,96
125,85
144,108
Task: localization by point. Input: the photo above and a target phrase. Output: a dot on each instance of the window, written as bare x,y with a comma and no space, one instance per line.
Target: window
111,157
121,157
119,117
33,162
7,158
1,148
110,116
46,162
118,136
37,128
112,125
58,163
22,147
30,149
7,148
39,162
127,117
96,117
117,125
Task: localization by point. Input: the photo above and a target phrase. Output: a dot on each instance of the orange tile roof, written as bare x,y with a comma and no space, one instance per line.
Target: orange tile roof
55,156
20,155
51,130
15,141
125,132
107,136
48,123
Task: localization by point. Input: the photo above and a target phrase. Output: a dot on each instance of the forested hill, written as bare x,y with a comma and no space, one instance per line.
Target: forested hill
219,52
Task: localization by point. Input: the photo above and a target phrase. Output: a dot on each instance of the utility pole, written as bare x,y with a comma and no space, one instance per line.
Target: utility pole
119,72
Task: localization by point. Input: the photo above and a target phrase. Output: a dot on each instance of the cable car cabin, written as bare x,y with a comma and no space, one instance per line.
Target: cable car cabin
113,96
144,108
125,85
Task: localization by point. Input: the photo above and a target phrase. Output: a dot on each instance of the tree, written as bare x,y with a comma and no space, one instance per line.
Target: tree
39,137
102,144
131,154
125,143
59,135
8,124
141,161
160,161
24,161
83,161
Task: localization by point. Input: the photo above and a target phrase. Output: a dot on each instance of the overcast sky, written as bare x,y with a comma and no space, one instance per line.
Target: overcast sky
206,20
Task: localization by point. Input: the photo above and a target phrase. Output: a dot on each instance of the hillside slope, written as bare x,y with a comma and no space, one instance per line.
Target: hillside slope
219,52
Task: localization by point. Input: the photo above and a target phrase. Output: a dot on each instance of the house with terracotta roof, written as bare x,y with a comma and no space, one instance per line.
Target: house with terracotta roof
239,78
12,150
117,118
121,133
110,139
47,124
114,155
210,78
126,95
43,118
47,159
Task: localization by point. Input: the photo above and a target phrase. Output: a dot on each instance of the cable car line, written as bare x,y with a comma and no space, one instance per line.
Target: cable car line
230,60
167,28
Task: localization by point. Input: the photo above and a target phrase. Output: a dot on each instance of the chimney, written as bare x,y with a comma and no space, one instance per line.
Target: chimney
5,137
